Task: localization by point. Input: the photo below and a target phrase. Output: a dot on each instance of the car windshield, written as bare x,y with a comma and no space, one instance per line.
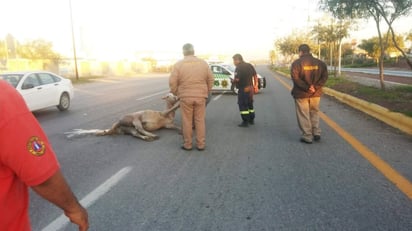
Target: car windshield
13,79
230,67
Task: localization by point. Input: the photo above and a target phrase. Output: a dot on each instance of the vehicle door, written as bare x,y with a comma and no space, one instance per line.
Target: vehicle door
32,92
51,88
222,78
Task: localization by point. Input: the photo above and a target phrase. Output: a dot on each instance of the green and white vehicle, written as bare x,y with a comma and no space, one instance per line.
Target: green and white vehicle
224,75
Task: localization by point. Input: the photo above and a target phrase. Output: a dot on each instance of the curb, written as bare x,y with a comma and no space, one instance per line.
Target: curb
394,119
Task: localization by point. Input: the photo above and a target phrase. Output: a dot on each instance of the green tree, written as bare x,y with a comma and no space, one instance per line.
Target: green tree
372,47
38,49
288,46
347,49
389,10
332,34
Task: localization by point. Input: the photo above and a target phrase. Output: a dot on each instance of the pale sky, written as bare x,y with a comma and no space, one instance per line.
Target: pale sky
120,28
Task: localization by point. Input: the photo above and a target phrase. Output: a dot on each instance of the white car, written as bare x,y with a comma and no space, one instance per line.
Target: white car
224,74
41,89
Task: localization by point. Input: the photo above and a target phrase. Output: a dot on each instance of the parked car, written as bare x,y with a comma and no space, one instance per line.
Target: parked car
224,75
41,89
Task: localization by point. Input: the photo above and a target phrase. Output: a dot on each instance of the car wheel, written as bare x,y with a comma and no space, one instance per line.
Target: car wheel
64,102
264,82
234,89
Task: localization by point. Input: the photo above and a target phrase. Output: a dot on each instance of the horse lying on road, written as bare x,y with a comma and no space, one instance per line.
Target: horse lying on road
140,124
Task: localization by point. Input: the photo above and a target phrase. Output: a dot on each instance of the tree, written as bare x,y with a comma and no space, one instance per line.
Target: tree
332,34
272,57
389,10
38,49
288,46
347,49
372,47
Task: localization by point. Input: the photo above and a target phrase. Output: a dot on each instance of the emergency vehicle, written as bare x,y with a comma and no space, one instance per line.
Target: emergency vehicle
224,75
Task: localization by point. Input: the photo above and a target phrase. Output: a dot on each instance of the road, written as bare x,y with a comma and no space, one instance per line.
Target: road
260,178
401,73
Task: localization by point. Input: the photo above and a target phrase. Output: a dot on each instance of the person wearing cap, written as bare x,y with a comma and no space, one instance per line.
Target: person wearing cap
28,160
192,80
309,75
244,73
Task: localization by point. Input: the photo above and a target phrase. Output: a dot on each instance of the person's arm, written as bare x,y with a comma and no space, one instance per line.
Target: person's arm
295,75
173,80
324,76
57,191
210,80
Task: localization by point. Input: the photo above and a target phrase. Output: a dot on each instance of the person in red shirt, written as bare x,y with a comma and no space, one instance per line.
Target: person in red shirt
28,160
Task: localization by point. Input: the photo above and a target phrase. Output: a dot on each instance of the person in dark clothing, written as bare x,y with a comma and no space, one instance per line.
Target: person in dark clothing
309,75
244,73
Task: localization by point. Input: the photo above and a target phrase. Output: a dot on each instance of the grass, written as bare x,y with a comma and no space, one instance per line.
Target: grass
397,99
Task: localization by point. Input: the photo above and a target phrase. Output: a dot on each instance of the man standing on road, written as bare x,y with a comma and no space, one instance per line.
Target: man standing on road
192,80
244,82
27,159
309,75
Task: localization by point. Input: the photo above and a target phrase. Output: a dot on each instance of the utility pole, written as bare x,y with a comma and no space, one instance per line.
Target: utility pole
73,41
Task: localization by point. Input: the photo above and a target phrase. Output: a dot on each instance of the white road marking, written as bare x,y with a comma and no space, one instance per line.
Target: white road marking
217,97
92,197
149,96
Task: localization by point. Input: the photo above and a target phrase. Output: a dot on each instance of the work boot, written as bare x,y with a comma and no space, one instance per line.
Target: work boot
316,137
243,124
306,141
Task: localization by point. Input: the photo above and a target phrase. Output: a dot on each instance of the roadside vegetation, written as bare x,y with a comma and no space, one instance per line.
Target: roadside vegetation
85,79
396,99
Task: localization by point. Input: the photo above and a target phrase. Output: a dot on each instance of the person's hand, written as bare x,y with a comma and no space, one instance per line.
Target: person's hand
79,217
311,89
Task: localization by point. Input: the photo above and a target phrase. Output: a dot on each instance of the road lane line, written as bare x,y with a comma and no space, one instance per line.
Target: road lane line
89,199
390,173
217,97
149,96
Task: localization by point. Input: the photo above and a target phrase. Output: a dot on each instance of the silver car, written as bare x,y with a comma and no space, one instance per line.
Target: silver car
41,89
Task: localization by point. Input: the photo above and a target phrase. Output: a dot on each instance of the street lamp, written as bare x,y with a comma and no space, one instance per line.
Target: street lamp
74,44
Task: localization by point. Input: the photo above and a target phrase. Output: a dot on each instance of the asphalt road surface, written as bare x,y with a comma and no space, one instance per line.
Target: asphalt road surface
258,178
386,71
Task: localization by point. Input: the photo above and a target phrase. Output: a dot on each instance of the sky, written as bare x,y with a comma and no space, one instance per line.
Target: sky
121,28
